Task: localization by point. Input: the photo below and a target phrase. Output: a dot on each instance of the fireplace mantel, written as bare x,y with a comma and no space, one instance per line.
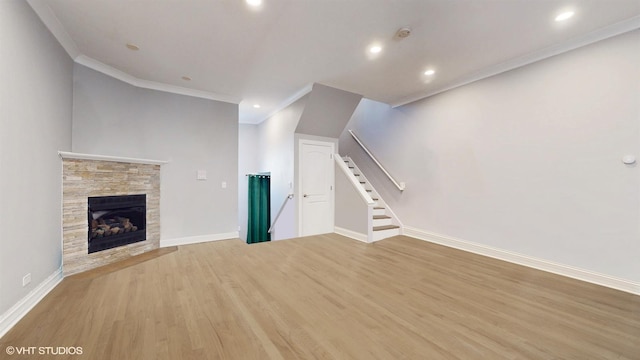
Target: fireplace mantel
79,156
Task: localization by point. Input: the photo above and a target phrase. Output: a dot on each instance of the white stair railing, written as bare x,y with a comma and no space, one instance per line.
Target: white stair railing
289,197
399,185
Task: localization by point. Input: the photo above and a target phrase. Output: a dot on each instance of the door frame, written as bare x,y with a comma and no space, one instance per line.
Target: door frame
332,145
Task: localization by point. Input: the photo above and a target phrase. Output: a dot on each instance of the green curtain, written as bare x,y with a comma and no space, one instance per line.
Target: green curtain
259,209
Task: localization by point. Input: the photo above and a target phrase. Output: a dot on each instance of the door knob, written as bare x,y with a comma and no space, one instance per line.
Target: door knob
305,195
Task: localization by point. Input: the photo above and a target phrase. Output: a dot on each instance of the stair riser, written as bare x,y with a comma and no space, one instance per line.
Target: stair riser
383,234
381,222
379,212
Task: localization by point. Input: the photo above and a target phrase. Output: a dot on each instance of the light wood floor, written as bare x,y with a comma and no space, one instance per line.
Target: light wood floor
329,297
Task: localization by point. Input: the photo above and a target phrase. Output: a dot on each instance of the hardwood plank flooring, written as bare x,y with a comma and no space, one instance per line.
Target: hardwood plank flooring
330,297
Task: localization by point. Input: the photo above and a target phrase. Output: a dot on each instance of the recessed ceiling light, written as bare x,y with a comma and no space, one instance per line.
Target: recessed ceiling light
374,49
257,106
564,16
186,78
133,47
254,3
403,33
429,72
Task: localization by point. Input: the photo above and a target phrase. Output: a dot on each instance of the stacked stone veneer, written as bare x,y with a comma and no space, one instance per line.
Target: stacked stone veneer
85,178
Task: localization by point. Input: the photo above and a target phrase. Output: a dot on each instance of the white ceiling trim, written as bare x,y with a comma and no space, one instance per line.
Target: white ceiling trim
290,100
146,84
53,24
592,37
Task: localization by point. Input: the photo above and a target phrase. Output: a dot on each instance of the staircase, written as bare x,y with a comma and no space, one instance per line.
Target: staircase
384,222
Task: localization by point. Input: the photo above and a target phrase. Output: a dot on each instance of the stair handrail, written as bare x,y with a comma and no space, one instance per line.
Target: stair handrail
352,178
400,185
289,197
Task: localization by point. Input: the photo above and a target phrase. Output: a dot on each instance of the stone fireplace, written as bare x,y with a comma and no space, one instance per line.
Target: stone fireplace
110,209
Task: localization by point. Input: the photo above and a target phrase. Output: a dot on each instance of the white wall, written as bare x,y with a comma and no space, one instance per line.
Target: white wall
111,117
247,164
528,161
276,155
327,111
36,100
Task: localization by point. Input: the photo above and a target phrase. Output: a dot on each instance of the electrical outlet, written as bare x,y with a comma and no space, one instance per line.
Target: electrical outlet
26,279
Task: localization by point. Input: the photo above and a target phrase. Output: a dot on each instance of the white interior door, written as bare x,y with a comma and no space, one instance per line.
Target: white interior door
316,187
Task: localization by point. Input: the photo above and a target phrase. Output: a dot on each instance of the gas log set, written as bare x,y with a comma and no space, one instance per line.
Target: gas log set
112,226
116,221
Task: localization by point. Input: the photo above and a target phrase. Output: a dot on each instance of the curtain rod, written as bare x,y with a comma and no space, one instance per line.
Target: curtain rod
265,175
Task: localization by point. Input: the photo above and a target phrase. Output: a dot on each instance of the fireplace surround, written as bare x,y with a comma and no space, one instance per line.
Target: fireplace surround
93,176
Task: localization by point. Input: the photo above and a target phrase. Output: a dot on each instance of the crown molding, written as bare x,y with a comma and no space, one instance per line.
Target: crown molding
574,43
54,25
288,101
152,85
291,99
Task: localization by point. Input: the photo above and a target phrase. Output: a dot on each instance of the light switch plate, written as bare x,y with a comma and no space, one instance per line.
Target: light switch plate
202,175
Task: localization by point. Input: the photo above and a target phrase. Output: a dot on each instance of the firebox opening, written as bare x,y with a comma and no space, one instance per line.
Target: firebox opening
116,221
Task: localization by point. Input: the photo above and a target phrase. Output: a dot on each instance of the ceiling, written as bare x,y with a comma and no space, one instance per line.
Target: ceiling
271,55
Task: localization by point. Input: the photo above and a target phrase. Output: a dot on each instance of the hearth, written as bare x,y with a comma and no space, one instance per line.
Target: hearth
116,221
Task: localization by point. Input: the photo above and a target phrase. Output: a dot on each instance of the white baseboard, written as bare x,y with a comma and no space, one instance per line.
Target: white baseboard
198,239
22,307
560,269
350,234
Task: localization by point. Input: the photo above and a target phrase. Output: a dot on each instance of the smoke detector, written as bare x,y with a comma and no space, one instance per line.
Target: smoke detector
403,33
